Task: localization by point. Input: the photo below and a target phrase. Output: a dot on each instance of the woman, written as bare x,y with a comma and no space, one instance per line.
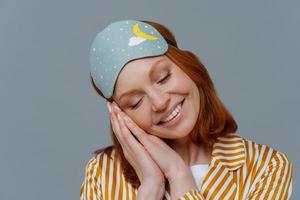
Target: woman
172,136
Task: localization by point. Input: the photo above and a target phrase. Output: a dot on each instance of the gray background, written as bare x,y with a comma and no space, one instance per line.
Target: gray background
51,119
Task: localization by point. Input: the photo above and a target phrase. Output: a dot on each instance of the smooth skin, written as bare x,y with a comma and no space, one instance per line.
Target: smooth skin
152,159
156,94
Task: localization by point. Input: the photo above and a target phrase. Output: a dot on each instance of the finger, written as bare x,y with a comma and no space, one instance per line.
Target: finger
117,111
114,121
140,134
132,136
137,131
132,143
116,128
152,143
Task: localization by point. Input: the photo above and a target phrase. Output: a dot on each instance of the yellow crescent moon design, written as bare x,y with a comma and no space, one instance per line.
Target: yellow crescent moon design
136,30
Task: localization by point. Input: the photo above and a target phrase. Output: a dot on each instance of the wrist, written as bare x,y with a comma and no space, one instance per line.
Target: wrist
177,171
151,191
179,175
181,184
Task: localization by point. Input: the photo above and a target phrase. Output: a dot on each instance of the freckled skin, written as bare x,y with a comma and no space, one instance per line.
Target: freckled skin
158,98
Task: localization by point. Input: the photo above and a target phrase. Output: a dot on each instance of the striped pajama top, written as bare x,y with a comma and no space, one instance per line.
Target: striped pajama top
239,169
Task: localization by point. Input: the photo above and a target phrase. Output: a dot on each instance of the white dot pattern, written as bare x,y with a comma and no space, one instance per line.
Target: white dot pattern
111,50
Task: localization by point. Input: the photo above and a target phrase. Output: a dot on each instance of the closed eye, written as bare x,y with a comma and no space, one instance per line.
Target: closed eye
163,80
135,106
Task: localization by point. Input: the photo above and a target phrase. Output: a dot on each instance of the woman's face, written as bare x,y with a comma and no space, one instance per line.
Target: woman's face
157,86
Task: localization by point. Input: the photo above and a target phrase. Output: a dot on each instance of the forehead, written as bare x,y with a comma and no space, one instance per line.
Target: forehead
136,71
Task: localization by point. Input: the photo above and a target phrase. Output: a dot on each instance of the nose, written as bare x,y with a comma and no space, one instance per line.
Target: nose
160,101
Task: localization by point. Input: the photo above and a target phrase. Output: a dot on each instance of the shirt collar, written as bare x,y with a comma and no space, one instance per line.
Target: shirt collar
229,151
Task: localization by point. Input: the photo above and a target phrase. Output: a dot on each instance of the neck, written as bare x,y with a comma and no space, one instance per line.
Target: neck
191,153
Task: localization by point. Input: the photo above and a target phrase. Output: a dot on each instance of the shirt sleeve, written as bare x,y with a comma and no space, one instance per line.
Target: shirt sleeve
276,180
192,194
89,189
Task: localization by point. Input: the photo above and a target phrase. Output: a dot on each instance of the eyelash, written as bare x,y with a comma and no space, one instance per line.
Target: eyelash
163,80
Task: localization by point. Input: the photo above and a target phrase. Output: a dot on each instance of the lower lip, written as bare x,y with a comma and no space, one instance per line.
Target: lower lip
175,120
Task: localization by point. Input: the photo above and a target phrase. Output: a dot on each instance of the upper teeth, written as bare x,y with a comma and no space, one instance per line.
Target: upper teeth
175,111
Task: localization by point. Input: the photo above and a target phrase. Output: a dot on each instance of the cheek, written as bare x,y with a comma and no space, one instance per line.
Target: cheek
181,83
142,120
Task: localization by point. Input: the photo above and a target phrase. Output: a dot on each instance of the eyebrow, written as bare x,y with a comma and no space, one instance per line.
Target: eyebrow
151,72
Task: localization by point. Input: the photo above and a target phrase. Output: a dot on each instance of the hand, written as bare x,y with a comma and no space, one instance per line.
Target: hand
146,169
169,162
162,161
146,191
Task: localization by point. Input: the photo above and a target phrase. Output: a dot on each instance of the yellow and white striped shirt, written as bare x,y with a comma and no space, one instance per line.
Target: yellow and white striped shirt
239,169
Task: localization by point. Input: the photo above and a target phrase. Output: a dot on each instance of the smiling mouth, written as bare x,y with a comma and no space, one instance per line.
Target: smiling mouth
161,122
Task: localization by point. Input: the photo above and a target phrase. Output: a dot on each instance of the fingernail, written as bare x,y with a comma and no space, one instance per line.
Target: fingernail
117,107
119,117
109,108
